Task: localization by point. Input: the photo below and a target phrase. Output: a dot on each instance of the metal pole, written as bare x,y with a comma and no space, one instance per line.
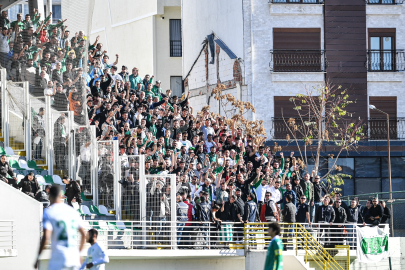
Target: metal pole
389,175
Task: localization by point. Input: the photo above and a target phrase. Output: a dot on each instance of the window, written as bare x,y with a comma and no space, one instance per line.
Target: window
297,49
383,2
378,120
381,45
175,38
176,85
298,1
56,13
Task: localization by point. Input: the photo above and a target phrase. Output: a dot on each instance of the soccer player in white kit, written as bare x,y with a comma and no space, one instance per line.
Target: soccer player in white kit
61,224
96,257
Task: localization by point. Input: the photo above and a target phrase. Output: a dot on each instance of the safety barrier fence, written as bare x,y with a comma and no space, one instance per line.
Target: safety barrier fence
7,237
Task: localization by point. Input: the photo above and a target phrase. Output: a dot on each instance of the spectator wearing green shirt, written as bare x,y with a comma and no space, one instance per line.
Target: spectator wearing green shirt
157,91
4,21
18,25
134,78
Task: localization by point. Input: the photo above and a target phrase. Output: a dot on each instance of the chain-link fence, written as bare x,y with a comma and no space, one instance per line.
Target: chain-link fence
130,188
17,106
106,185
61,126
83,157
39,126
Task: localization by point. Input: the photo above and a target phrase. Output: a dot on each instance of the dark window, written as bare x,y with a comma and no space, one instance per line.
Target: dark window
176,85
175,38
298,1
297,49
283,110
56,13
378,120
381,53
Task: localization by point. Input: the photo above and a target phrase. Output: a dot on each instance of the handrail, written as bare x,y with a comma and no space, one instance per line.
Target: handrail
302,240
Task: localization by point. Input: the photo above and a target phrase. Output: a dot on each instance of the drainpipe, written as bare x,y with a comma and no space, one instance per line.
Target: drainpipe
251,60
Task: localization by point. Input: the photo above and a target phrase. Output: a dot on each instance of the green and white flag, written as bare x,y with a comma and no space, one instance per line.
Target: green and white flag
372,244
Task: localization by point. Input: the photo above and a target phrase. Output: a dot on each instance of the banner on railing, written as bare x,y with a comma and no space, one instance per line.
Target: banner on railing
372,243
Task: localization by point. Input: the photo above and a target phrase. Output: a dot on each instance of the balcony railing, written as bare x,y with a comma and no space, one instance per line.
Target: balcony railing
296,1
384,2
175,48
385,60
298,61
377,128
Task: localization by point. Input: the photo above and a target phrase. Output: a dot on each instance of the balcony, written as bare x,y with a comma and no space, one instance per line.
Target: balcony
296,1
384,2
377,129
298,61
385,61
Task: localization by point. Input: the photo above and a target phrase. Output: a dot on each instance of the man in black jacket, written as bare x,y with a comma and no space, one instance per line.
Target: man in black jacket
5,171
288,217
43,196
241,211
386,213
340,217
29,185
376,213
72,191
326,215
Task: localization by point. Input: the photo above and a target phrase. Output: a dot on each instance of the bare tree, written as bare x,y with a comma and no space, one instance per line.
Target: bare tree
322,116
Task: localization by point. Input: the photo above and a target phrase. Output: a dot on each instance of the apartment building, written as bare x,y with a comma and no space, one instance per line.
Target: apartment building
285,46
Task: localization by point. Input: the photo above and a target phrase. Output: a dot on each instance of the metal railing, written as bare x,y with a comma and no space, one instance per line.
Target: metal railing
175,48
165,234
296,1
7,238
385,60
377,128
298,61
295,236
384,2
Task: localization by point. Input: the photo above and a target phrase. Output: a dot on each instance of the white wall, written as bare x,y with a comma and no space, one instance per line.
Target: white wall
388,83
27,215
264,85
166,66
78,14
201,18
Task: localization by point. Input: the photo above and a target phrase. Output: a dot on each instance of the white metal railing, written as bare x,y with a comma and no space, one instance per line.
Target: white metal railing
7,235
165,234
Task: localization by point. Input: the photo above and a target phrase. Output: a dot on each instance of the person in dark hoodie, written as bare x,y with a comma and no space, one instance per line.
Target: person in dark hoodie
29,185
340,217
353,217
326,215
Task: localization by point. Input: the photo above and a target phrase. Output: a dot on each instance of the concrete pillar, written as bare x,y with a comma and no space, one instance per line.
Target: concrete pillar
37,4
49,8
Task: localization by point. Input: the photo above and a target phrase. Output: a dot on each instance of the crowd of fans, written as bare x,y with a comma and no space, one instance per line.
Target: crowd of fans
221,174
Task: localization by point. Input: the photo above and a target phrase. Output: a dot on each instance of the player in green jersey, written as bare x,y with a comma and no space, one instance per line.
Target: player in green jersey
274,258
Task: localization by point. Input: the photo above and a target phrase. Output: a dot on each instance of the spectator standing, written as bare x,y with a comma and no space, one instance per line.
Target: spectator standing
288,217
353,217
386,213
326,216
340,217
269,211
302,215
376,213
318,190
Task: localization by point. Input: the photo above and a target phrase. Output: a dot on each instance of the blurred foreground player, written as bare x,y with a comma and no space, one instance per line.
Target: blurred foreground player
274,258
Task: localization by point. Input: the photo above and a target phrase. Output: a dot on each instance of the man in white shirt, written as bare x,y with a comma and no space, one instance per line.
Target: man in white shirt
275,191
96,257
61,224
115,76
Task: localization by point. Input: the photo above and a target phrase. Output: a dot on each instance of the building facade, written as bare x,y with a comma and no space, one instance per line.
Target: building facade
145,34
286,46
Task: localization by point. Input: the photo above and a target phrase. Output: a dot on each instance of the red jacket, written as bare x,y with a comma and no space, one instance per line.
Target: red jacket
190,212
